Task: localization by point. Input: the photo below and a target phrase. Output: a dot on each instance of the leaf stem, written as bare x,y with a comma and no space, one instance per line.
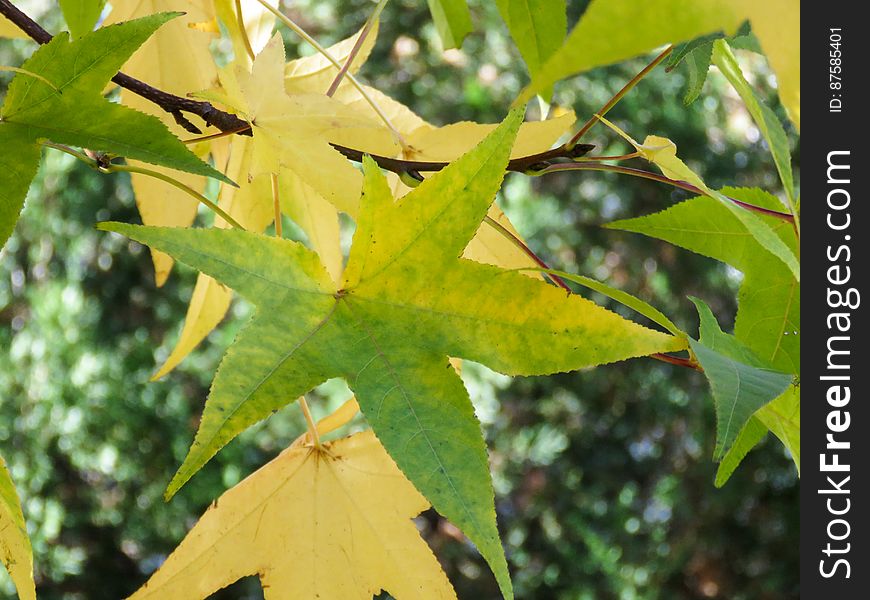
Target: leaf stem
662,179
370,23
619,95
276,201
108,167
504,231
312,426
174,182
243,31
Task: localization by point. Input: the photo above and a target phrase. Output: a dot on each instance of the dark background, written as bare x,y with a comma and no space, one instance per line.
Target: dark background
603,478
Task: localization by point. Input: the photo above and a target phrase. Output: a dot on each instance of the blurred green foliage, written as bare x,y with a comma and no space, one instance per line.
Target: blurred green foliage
604,480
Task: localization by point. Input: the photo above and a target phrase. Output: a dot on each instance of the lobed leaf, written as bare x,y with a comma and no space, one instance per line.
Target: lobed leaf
768,316
741,382
331,523
407,303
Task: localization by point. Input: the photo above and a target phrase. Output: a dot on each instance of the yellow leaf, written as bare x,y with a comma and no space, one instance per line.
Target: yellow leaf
663,153
15,551
317,218
402,117
293,131
175,59
452,141
777,24
9,29
259,23
312,524
314,74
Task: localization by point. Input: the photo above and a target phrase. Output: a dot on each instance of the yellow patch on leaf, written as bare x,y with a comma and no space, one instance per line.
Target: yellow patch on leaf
312,524
15,551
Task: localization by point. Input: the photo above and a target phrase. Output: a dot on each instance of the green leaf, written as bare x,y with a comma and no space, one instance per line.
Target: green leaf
70,109
408,302
18,163
768,319
783,418
763,116
633,302
698,65
663,153
741,382
81,15
452,19
15,550
538,27
768,316
614,30
752,433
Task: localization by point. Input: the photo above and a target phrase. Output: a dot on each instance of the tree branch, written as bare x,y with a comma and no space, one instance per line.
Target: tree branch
174,105
230,123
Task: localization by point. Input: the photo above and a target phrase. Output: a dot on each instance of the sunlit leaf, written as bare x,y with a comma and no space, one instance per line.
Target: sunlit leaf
331,523
407,303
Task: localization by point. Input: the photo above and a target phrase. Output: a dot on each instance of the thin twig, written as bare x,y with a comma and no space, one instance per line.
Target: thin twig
674,360
108,167
588,166
619,95
370,23
243,32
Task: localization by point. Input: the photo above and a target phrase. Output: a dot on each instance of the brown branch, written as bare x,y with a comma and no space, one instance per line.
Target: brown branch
230,123
174,105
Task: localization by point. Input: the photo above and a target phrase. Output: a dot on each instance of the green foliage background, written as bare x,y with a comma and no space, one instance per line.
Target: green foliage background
604,480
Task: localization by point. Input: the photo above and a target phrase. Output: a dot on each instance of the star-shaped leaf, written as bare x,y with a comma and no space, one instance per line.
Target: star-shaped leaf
64,103
344,511
408,301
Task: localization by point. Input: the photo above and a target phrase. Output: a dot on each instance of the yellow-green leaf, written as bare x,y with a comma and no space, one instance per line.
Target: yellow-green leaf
663,153
331,523
408,301
614,30
15,551
452,19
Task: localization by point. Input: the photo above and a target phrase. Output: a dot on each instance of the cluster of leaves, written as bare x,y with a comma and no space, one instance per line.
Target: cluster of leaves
424,280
